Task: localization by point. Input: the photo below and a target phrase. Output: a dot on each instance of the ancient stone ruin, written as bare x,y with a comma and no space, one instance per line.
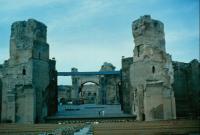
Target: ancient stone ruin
149,85
151,73
187,88
153,86
106,86
28,76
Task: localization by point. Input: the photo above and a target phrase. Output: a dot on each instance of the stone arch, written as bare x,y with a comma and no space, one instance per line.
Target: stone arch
89,91
108,82
85,79
90,82
79,81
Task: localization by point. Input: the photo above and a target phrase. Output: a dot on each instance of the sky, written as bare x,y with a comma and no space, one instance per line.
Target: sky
86,33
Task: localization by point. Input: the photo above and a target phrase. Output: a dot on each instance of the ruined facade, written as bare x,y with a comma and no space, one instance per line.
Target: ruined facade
151,81
187,89
90,93
78,82
64,93
185,86
126,85
28,77
151,74
150,85
110,85
104,91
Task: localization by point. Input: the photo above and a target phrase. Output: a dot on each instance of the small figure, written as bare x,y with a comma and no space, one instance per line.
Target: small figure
99,113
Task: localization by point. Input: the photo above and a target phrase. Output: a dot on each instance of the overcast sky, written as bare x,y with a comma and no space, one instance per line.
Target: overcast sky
86,33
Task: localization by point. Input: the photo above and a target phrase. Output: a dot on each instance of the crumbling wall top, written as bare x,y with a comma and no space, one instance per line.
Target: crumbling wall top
28,40
74,69
107,67
147,31
145,24
32,29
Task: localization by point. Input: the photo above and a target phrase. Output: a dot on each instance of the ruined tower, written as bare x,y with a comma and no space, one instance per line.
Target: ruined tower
26,75
109,86
151,74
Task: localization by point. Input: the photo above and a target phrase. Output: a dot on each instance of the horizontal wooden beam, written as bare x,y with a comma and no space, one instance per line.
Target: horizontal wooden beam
88,73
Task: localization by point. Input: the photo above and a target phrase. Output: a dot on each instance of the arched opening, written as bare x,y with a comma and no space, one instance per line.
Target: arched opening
88,92
91,95
138,51
23,71
153,69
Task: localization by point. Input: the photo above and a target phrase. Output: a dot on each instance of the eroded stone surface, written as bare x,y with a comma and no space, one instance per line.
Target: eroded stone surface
106,90
28,76
187,88
151,73
28,79
109,88
126,87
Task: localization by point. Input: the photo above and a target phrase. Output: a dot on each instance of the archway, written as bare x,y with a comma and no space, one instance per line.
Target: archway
91,94
88,92
79,81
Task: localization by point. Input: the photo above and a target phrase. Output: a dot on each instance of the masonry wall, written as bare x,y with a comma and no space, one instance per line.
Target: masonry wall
112,89
26,75
90,93
64,92
187,89
109,86
25,104
151,74
12,77
52,89
40,84
126,85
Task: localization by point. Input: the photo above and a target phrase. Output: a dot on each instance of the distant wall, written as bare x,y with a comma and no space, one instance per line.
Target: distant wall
52,89
90,93
64,92
109,86
126,85
187,88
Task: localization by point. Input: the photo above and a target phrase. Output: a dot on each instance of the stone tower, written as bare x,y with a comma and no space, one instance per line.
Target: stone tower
26,75
75,87
151,73
109,85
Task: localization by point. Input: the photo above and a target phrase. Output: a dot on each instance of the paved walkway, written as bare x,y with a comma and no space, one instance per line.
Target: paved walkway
84,131
90,110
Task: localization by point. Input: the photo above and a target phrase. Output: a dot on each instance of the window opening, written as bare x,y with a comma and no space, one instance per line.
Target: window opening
153,69
138,51
24,71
